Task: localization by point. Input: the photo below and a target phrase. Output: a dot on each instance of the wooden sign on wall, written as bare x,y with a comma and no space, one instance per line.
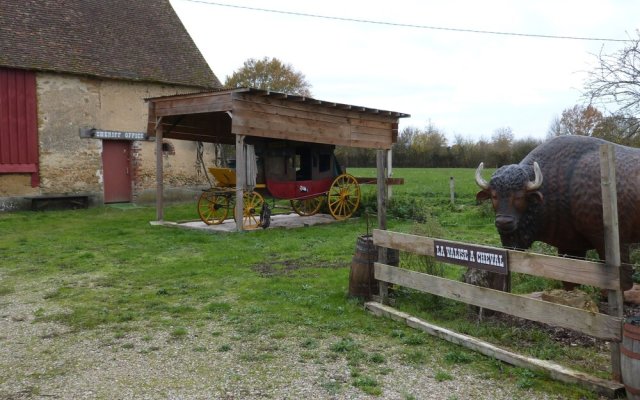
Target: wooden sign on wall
94,133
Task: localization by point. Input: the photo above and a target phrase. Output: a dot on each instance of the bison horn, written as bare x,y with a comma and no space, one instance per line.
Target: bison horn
479,179
537,182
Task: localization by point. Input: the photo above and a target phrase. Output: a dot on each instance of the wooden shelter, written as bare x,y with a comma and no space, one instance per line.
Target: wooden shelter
232,116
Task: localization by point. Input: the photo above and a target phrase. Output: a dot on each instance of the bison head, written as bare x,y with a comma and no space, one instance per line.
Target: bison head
516,201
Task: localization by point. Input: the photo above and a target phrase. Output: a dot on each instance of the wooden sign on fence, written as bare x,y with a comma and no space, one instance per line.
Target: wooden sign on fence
486,258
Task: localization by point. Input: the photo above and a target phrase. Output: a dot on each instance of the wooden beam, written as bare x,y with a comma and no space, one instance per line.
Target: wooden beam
304,127
555,371
207,128
559,268
194,105
241,181
382,215
230,139
594,324
159,172
301,110
320,110
612,242
277,95
381,157
373,181
367,144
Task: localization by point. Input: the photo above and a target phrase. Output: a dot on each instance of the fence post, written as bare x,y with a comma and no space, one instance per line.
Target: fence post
611,242
382,214
389,173
452,189
159,172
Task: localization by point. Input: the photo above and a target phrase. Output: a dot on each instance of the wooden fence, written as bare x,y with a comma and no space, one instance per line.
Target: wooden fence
579,271
602,275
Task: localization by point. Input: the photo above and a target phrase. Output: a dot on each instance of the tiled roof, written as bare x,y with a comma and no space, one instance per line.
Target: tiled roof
139,40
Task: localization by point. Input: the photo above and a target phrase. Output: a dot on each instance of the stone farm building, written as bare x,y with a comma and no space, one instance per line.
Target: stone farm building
73,78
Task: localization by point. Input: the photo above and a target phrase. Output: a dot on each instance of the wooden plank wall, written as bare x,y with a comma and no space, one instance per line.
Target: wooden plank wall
302,121
212,126
193,104
268,116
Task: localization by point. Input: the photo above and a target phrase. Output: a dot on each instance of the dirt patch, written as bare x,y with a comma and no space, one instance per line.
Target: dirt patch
287,267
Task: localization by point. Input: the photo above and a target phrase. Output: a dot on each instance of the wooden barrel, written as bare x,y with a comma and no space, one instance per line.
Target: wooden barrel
361,281
630,357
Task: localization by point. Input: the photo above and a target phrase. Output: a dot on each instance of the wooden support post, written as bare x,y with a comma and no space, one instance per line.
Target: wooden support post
241,180
159,172
612,242
452,189
381,157
389,173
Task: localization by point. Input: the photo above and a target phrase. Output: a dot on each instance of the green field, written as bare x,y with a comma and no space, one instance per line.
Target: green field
107,273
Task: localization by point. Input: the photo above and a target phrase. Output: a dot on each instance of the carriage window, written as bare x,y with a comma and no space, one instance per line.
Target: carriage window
325,162
303,164
296,163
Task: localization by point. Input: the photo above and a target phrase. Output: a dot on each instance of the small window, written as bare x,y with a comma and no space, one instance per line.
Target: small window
325,162
303,164
168,149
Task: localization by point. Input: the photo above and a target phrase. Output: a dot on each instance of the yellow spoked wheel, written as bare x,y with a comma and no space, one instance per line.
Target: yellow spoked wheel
343,197
253,202
307,207
213,207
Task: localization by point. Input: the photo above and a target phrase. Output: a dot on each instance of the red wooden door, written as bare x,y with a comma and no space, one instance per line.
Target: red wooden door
116,167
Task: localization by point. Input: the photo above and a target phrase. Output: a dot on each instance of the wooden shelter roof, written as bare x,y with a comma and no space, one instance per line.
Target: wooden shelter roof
217,116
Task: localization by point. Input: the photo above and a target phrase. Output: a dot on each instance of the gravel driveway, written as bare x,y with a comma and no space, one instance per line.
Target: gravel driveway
43,360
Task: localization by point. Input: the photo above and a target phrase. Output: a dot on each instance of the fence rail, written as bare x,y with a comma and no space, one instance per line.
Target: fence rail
558,268
598,325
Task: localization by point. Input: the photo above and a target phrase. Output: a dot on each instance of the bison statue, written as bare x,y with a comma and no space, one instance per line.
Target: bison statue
553,195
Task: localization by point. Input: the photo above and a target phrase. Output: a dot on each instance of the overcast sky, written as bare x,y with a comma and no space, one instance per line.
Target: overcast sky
469,84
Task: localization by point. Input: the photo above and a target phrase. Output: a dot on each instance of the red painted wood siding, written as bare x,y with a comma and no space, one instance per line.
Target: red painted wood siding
18,123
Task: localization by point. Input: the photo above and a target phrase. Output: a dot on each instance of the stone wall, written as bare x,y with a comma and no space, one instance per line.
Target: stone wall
71,164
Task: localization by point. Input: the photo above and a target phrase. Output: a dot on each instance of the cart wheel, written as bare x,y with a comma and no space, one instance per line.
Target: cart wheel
213,207
343,197
307,207
252,205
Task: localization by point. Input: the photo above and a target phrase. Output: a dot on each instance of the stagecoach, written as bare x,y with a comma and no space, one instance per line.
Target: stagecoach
306,174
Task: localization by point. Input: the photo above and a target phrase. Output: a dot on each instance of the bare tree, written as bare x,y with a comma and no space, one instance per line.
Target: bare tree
619,129
501,141
555,128
522,147
616,81
589,121
462,151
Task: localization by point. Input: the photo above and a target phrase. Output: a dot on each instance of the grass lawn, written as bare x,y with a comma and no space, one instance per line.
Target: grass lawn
108,271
